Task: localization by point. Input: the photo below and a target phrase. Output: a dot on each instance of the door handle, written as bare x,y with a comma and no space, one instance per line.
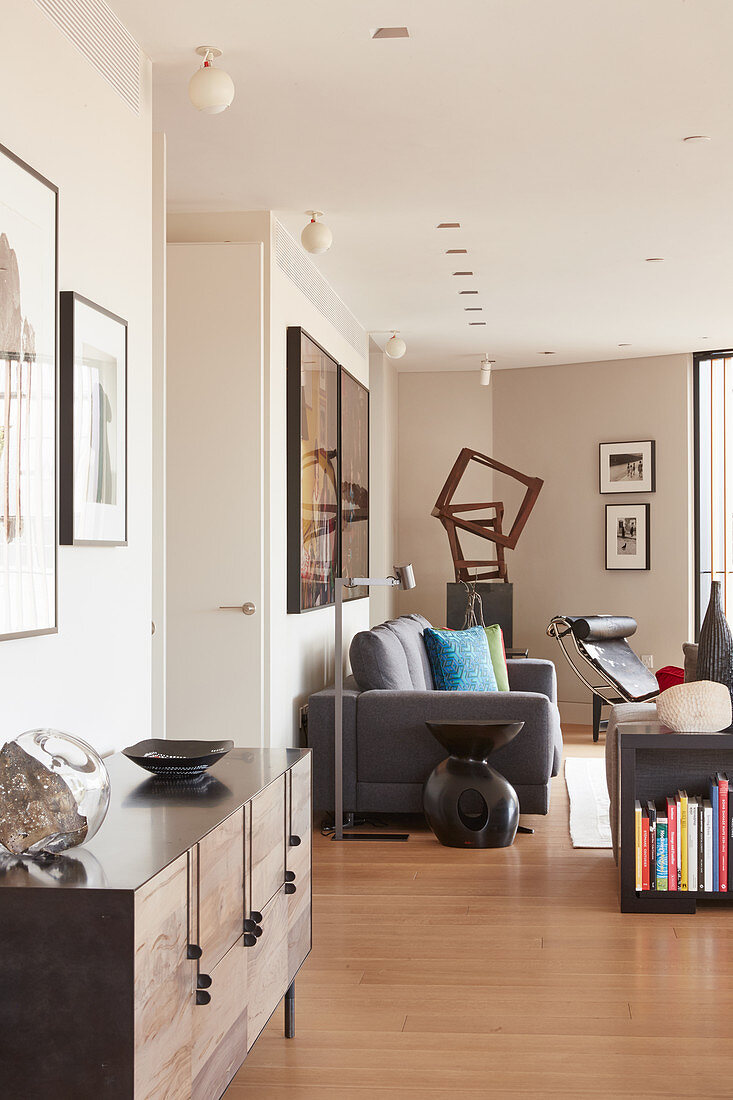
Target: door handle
245,608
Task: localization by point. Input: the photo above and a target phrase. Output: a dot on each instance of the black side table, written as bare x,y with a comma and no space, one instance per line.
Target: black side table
466,802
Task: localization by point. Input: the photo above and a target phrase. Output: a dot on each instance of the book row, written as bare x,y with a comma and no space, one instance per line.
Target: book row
682,842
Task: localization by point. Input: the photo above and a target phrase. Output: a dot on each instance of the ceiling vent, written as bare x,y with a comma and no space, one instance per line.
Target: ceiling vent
96,32
463,273
456,251
473,309
477,323
292,260
391,32
448,225
468,292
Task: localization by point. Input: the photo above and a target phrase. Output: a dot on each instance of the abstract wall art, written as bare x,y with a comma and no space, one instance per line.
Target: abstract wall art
28,342
313,473
354,451
93,425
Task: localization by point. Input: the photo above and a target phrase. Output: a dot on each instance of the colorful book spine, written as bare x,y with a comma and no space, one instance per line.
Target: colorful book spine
662,852
651,807
700,843
684,840
645,849
692,844
708,838
713,789
671,844
679,842
722,780
637,837
730,842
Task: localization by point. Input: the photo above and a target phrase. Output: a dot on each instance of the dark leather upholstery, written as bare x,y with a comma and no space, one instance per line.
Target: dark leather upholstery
598,628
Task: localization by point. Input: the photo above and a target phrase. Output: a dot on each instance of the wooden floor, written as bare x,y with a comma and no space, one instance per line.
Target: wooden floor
443,973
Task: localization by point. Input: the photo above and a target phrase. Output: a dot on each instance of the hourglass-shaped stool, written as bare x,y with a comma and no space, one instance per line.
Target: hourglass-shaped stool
466,802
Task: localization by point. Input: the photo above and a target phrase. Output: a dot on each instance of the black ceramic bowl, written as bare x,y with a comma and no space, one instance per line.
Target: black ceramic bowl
177,759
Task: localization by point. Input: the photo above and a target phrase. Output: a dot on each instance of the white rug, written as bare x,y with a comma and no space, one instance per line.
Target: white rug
586,781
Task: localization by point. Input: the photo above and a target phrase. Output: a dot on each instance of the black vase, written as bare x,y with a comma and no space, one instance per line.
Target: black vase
715,653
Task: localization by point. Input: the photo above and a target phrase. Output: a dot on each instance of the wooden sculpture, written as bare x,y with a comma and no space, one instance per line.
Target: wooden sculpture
488,526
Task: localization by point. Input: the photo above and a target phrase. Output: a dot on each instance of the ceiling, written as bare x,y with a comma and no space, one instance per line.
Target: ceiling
551,131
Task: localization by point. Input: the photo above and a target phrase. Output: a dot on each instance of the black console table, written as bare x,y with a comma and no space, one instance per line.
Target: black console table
146,963
652,766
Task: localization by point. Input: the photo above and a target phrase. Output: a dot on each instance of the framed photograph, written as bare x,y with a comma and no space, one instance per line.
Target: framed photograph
28,342
313,473
93,425
354,453
627,467
627,536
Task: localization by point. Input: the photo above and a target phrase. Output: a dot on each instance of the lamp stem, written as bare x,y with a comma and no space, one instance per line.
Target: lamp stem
339,712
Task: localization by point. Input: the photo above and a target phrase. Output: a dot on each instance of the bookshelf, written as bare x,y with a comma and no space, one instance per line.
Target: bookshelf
653,765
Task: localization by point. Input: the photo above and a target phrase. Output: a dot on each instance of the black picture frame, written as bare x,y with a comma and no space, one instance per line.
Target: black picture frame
321,594
10,628
69,535
647,484
612,517
360,567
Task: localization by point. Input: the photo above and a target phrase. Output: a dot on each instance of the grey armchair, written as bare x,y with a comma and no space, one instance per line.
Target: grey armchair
388,751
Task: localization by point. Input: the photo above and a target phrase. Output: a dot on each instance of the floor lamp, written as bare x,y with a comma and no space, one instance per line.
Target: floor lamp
405,578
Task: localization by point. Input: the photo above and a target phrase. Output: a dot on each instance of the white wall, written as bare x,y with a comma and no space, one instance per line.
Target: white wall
439,414
65,120
548,421
383,536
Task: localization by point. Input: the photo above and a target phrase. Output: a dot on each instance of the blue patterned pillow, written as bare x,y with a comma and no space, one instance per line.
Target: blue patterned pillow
460,659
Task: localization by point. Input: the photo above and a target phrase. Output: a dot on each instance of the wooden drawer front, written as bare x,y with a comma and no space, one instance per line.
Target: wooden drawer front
299,865
267,843
220,1027
267,966
299,924
164,987
220,890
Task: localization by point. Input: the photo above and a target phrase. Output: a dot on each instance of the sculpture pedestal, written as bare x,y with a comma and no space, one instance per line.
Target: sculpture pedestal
497,599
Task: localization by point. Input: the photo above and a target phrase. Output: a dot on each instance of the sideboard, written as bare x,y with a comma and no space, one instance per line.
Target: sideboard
146,963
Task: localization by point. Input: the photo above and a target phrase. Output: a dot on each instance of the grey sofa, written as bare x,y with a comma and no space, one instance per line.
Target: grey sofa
389,753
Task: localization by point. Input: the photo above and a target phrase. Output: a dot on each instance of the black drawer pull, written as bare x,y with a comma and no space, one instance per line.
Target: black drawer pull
258,931
249,939
203,981
256,917
250,925
294,841
290,876
193,951
202,997
290,888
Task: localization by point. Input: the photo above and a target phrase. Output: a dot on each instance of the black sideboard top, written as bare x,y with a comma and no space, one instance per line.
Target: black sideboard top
151,821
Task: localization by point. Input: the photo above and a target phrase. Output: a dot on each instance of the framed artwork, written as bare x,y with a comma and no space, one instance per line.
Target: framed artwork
313,473
93,425
354,452
627,536
28,342
627,467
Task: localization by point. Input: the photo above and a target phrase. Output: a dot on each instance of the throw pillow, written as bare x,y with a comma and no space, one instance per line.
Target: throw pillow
495,639
460,659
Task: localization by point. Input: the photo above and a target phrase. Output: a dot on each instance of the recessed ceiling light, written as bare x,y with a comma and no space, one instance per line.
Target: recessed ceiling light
456,251
477,322
391,32
624,345
547,353
448,225
695,138
473,309
463,273
654,259
468,292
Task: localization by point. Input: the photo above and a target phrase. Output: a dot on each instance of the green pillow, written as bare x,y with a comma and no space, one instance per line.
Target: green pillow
498,656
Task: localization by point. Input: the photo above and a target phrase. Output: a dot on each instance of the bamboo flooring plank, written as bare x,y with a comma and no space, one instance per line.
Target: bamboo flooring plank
439,973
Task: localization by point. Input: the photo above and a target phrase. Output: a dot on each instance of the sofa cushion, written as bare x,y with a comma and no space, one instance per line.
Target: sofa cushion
498,656
409,629
460,659
378,660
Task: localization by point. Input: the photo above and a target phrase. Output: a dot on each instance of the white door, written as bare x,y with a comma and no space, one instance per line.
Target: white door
214,469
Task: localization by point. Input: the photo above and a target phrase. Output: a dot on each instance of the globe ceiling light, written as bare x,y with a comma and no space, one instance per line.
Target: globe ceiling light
395,346
316,237
210,90
486,365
